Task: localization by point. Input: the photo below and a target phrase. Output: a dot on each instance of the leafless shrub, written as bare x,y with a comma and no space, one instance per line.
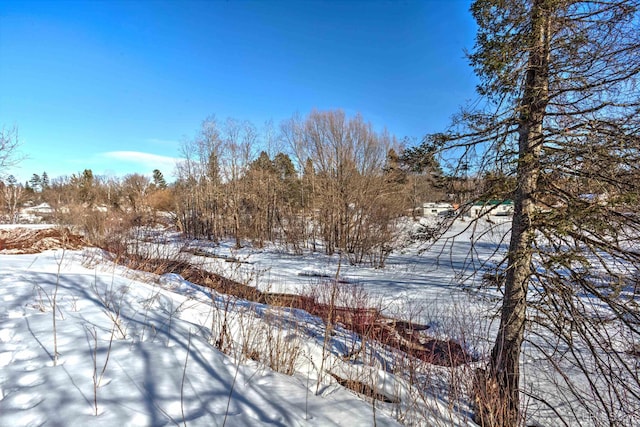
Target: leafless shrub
271,338
112,301
97,378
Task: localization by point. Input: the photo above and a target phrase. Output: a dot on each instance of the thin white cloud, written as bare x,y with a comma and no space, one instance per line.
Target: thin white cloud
146,161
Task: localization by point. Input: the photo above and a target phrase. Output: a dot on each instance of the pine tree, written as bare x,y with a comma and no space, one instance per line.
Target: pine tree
35,183
393,170
263,163
85,186
158,179
44,181
284,166
560,118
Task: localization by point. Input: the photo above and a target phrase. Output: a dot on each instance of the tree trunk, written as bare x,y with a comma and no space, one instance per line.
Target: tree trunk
502,405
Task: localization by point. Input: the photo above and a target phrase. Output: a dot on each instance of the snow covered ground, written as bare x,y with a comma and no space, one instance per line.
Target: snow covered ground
411,284
134,353
138,349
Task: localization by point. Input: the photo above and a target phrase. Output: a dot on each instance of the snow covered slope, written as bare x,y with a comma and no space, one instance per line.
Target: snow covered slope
135,353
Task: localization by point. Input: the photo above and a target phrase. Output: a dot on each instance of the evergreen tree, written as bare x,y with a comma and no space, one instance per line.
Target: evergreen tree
561,118
158,179
44,181
393,170
85,186
284,166
420,159
35,183
289,183
262,163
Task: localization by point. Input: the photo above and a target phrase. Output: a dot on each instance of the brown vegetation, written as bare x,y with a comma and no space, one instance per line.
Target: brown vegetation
408,337
364,389
32,241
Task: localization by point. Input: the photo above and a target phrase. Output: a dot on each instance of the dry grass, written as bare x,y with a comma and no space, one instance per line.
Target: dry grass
409,337
32,241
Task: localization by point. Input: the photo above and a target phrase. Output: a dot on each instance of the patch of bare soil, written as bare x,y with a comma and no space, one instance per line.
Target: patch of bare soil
364,389
32,241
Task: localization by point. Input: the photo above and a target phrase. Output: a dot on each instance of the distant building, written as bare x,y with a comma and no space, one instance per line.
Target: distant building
437,209
41,209
491,207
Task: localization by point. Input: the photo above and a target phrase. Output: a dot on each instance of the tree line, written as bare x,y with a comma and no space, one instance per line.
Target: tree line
325,182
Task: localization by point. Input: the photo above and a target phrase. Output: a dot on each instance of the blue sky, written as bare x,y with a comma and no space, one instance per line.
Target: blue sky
115,86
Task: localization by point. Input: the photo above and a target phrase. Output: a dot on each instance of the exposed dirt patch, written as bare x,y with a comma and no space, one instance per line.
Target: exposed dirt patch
32,241
364,389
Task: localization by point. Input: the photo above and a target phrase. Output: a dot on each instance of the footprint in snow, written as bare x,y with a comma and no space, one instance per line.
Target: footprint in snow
25,355
6,357
8,334
31,379
23,401
15,314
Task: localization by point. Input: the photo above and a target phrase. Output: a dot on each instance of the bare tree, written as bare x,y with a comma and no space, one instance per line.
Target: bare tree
9,144
342,160
341,191
198,191
239,139
12,196
135,188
